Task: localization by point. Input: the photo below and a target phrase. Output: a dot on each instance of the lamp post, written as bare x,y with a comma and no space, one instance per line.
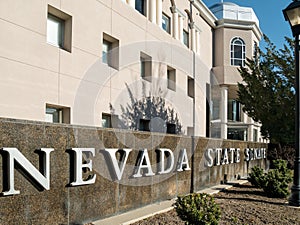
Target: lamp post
292,14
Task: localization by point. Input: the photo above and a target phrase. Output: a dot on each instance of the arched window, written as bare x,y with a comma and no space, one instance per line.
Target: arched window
238,52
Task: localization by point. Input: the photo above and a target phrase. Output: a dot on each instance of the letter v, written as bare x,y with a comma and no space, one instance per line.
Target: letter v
118,166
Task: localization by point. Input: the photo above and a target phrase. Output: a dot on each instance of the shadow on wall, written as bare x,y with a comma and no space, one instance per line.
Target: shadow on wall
150,113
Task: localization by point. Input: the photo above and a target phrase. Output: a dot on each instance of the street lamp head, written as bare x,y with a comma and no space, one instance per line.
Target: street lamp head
292,14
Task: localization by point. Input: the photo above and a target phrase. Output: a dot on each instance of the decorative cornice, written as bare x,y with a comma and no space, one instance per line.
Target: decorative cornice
205,13
242,25
212,20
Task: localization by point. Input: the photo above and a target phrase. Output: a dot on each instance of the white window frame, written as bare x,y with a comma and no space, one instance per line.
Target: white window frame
237,43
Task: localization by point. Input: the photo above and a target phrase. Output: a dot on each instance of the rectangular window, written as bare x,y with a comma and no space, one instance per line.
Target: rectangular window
255,49
57,114
140,5
53,115
110,51
106,120
59,29
171,128
215,109
255,135
234,110
186,38
146,66
166,23
171,75
237,134
106,48
191,87
144,125
208,109
55,31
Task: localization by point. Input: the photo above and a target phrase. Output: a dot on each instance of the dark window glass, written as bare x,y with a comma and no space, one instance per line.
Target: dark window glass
186,38
146,66
144,125
234,110
166,23
238,52
140,5
106,120
106,48
171,75
171,128
237,134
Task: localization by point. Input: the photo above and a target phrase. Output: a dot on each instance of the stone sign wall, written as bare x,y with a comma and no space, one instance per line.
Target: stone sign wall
64,174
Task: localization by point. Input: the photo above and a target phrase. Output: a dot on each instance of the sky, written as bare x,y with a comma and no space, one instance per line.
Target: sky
269,13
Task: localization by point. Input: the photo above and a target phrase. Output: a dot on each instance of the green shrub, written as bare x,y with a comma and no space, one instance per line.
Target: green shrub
257,177
198,208
277,180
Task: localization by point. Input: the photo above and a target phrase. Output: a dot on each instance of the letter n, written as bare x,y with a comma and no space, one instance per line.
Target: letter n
14,155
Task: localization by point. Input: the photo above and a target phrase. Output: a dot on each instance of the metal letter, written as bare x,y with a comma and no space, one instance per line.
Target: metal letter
264,153
225,157
247,155
79,165
145,157
119,169
209,159
231,155
218,156
183,160
237,155
15,155
170,163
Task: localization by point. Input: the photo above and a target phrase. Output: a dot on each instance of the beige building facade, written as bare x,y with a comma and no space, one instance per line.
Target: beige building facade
237,35
151,65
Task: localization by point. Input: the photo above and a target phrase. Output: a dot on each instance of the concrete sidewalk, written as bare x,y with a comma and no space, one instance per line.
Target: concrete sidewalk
160,207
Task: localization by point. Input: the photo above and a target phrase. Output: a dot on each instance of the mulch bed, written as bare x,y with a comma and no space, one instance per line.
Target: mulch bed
243,204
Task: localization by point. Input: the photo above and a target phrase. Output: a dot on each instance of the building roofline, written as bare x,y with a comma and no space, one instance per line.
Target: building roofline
205,12
240,24
213,21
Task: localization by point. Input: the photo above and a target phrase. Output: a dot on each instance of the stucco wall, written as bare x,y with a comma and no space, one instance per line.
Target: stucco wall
36,73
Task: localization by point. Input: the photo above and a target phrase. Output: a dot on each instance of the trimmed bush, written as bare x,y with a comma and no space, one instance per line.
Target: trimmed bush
198,209
256,177
277,180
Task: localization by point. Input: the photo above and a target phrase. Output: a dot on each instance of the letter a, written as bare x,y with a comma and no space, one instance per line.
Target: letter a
143,157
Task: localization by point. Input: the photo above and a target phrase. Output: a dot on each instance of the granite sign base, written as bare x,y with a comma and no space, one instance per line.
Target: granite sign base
87,182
